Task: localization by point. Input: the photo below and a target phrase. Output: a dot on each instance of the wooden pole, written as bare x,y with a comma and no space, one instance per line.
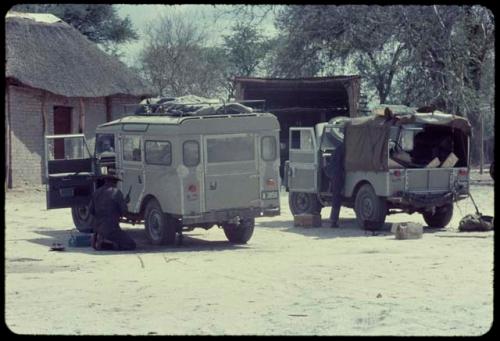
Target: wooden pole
8,147
481,152
108,109
45,127
81,120
45,123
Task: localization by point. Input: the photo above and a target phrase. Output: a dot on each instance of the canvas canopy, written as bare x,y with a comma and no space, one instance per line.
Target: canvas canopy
366,138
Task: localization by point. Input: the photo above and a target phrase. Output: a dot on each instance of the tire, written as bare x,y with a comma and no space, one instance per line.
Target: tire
492,170
239,233
441,217
160,227
82,218
369,208
301,202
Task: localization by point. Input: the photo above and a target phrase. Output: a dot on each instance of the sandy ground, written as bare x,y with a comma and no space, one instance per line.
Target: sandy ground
286,281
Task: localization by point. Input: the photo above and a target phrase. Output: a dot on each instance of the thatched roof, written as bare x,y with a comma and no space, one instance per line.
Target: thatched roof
49,54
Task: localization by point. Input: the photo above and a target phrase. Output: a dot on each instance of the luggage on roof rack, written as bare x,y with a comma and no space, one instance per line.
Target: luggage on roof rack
191,106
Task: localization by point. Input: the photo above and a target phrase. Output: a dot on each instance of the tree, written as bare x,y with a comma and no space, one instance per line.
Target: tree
450,48
245,49
100,23
314,36
176,60
414,55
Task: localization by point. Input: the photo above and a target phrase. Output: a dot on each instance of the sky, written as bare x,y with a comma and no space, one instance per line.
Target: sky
215,19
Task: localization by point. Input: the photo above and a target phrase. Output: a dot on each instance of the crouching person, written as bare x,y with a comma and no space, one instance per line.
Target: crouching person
107,206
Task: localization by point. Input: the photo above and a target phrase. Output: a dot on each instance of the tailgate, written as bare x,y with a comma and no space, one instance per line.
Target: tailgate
429,180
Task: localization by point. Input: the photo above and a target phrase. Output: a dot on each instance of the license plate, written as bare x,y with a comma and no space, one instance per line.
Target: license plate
270,195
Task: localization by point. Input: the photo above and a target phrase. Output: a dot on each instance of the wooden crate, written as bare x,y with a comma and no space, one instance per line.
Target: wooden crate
307,220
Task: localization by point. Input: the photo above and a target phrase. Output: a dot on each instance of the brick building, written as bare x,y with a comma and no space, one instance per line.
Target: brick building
56,82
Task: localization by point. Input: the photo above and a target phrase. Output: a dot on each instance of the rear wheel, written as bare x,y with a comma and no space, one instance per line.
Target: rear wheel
301,202
160,227
370,209
441,216
241,232
82,218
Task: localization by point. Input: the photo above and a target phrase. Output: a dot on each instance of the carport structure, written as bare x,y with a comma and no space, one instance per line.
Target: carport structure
302,102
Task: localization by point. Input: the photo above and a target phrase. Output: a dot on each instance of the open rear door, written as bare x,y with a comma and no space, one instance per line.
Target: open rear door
303,161
69,171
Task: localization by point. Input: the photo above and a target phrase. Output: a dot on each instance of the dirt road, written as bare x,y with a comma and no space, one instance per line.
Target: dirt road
285,281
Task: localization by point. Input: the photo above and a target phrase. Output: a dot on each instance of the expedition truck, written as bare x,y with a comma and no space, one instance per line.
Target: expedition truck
416,162
180,171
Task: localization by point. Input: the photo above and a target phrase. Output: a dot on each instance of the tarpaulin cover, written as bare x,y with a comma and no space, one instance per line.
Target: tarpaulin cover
366,142
366,138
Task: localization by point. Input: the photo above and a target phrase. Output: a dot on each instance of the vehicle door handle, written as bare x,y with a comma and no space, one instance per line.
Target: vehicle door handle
139,179
213,185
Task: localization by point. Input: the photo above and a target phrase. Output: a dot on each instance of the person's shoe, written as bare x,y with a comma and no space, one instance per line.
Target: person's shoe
93,240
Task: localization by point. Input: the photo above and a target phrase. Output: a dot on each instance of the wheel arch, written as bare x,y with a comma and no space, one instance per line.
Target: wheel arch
358,186
145,202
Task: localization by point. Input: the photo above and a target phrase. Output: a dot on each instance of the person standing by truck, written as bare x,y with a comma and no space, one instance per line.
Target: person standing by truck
335,171
107,206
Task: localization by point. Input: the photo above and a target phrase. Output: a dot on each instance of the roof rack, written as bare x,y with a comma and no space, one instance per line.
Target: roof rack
190,104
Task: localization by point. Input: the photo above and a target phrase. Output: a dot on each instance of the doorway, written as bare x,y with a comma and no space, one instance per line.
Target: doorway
62,125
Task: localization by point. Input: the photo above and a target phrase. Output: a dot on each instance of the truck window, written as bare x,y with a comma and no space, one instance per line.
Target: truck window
72,148
191,153
302,139
230,149
132,148
158,152
268,148
104,143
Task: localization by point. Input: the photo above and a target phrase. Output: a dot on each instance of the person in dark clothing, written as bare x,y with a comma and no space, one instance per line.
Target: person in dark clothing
335,171
107,206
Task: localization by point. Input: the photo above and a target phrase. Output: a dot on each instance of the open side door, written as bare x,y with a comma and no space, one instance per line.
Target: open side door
303,161
69,171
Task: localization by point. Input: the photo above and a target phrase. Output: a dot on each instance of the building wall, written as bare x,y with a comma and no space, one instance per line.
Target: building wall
26,135
28,164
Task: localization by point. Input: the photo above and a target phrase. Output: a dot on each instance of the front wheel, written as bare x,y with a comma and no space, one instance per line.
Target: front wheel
160,227
301,202
241,232
82,218
370,209
440,218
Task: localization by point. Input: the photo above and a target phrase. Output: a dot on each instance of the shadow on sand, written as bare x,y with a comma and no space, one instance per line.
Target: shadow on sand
348,228
189,244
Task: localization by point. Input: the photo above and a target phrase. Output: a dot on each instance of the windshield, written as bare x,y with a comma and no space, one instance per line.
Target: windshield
104,144
66,147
